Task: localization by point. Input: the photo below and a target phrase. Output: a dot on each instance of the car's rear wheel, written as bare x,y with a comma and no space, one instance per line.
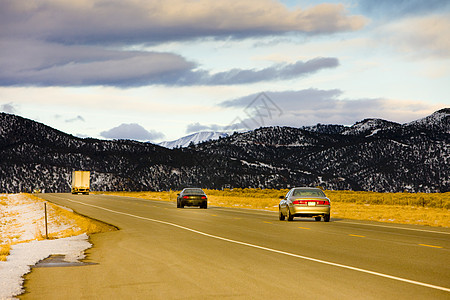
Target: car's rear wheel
205,206
326,218
280,215
317,219
178,204
290,217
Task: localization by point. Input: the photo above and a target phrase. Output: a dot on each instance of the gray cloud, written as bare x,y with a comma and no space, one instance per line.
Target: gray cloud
313,97
276,72
312,106
237,125
131,131
8,108
130,22
242,76
196,127
49,64
46,64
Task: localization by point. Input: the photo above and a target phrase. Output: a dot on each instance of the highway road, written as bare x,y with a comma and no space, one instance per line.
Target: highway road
161,252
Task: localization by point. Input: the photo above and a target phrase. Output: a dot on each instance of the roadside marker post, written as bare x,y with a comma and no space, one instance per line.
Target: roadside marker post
46,230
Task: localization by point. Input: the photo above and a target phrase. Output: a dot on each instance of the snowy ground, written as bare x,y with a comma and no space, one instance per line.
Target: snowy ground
22,224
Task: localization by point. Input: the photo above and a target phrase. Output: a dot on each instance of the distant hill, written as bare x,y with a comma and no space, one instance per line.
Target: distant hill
194,138
373,154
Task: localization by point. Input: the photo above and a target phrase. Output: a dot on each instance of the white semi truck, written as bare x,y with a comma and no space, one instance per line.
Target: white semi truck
81,182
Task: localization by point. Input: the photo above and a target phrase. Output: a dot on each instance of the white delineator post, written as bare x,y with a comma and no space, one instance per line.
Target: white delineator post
45,211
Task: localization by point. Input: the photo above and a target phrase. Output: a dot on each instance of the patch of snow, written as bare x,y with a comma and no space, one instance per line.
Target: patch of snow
304,172
266,165
401,144
258,164
25,255
298,144
362,126
249,164
373,132
175,171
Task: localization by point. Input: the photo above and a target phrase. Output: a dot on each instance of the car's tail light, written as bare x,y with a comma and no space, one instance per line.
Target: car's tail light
203,197
299,202
185,197
323,202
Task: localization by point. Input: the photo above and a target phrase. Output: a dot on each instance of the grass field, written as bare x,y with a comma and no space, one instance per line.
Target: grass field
81,224
431,209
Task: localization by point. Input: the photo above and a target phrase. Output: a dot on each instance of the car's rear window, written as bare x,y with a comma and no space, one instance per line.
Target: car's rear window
308,193
194,191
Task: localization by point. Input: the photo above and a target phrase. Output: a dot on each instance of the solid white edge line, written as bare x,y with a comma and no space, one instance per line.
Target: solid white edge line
273,250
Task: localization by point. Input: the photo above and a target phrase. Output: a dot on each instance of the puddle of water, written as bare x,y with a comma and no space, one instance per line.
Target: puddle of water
58,261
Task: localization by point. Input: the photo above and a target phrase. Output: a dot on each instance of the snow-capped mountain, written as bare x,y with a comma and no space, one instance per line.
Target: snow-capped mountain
373,154
369,127
195,138
436,121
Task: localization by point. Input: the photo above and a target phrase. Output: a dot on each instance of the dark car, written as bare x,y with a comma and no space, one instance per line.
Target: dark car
304,202
192,197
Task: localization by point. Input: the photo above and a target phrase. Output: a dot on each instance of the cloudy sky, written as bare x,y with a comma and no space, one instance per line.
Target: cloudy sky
159,70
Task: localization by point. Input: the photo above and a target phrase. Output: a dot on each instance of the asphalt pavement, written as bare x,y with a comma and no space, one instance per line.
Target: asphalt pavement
161,252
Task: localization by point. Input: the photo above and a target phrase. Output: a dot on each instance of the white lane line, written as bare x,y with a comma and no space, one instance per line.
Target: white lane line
394,227
273,250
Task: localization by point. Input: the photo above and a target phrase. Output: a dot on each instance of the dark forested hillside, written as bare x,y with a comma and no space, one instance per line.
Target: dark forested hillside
373,155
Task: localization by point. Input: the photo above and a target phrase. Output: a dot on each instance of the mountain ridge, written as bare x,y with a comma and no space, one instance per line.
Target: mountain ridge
384,156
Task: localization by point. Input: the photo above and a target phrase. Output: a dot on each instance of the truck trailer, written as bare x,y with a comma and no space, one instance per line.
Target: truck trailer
80,182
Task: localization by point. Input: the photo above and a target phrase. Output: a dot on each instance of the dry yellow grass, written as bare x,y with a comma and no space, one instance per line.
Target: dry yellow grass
392,214
161,196
243,202
3,200
405,208
4,251
433,200
82,224
4,248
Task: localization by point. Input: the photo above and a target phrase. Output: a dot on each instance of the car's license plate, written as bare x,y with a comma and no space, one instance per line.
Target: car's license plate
312,203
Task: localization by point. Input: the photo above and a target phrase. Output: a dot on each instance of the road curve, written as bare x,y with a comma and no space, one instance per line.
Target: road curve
161,252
